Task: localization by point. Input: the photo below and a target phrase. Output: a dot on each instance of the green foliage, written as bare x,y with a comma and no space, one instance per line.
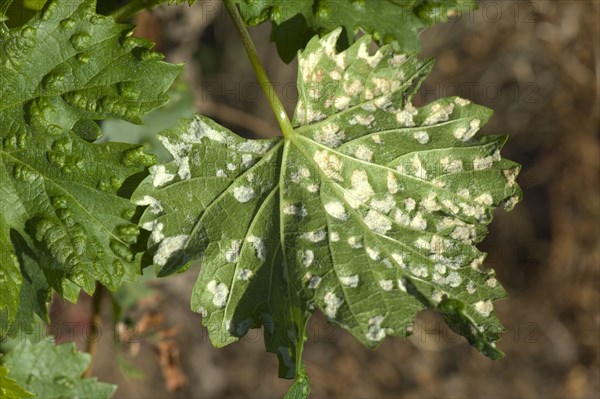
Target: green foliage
295,22
369,212
66,220
53,371
9,388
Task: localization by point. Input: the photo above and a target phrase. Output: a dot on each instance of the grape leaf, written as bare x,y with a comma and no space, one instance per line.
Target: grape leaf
66,220
53,371
387,21
9,388
369,212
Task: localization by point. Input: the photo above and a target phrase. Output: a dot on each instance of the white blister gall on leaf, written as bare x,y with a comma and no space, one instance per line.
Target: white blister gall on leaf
367,214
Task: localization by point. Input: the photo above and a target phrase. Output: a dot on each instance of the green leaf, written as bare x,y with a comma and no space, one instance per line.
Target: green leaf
9,388
369,212
66,221
53,371
387,21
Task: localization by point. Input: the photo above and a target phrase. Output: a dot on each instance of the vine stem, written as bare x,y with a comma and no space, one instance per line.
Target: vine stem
96,320
259,70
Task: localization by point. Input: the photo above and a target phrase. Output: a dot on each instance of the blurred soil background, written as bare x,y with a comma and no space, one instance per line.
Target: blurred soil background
536,63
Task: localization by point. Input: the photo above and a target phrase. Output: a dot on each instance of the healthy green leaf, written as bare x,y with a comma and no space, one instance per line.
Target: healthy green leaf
9,388
387,21
53,371
369,212
66,221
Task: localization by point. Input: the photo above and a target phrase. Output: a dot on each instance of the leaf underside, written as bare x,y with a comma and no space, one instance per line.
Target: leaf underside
34,368
386,21
369,212
66,221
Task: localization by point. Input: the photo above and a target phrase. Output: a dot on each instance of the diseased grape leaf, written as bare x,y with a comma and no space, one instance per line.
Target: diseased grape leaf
9,388
295,22
65,216
369,212
35,367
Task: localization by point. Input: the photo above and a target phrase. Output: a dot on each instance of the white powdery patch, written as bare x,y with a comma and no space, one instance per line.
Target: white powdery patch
475,211
376,138
155,206
244,274
350,281
485,199
247,160
361,190
313,188
418,223
295,210
308,257
464,134
464,192
461,233
259,247
377,222
477,263
254,146
511,176
484,308
220,293
398,259
422,137
405,117
183,170
243,194
355,242
492,282
419,271
160,176
440,268
156,229
314,282
450,205
221,173
401,217
168,246
334,236
373,253
336,209
471,287
461,102
410,204
363,53
363,120
392,183
453,279
421,244
480,163
315,236
330,164
199,130
330,135
375,332
341,103
397,60
451,165
401,284
419,170
386,285
364,153
353,88
510,203
430,204
439,113
385,205
332,304
232,254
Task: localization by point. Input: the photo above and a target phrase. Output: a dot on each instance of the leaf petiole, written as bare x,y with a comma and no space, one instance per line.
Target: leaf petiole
259,70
